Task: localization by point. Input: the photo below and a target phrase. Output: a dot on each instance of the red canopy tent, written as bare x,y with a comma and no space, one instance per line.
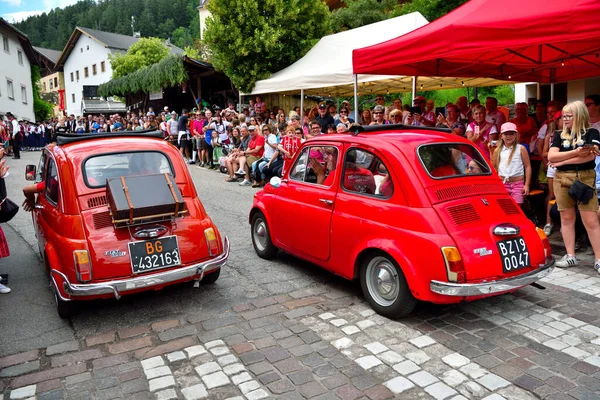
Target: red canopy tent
518,40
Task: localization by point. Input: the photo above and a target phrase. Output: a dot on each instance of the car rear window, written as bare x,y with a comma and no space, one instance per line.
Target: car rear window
447,160
97,169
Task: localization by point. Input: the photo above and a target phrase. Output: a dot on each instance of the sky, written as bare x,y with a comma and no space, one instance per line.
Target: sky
17,10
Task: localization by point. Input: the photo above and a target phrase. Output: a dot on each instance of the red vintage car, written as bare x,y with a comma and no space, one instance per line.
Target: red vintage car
414,213
88,251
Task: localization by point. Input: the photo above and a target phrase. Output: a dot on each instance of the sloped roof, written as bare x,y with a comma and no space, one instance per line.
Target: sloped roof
109,40
52,55
24,40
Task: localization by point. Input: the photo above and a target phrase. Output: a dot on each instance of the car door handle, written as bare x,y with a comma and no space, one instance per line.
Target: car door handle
39,206
328,202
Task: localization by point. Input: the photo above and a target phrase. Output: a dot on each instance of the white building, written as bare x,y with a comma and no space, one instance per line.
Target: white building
564,92
85,64
16,57
204,13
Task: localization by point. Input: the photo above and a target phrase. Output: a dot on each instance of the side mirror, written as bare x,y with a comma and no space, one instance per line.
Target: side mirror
30,173
275,182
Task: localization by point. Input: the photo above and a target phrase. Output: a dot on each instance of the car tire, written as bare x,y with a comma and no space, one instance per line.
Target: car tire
384,286
211,278
65,309
261,237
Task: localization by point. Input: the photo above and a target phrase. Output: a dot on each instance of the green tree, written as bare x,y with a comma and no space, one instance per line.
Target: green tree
143,53
42,109
248,40
361,12
430,9
181,37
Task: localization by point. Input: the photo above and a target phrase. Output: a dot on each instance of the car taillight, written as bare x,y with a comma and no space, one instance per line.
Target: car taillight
211,241
454,265
545,242
83,266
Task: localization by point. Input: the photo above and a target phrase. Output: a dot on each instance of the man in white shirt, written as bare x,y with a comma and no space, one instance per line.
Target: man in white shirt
15,132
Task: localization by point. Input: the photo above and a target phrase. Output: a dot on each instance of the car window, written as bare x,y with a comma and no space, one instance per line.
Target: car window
445,160
316,164
51,186
98,169
39,175
365,173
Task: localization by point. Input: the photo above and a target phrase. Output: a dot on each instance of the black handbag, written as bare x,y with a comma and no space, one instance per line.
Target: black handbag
8,208
581,192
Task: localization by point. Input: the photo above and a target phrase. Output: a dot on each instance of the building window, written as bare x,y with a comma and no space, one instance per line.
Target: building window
50,83
88,47
94,69
77,75
20,57
5,44
55,82
24,94
71,77
9,89
86,72
44,86
73,97
81,49
102,67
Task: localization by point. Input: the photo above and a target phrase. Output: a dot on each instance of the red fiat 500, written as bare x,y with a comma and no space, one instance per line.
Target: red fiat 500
88,251
414,213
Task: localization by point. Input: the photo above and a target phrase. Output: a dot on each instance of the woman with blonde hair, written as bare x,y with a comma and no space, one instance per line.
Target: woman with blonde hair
572,154
511,161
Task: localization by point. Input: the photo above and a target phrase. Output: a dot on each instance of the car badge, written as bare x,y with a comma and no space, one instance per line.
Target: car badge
485,202
115,253
482,251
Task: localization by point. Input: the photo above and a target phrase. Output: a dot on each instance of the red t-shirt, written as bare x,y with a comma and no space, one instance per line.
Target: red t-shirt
360,180
257,141
291,144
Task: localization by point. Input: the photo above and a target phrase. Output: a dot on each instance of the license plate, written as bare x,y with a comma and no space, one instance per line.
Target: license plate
514,254
154,254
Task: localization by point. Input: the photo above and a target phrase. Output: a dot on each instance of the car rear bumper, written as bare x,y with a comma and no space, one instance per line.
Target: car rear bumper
118,287
502,285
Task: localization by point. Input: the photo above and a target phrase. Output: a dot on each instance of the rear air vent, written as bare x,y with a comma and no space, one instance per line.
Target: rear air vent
102,220
463,214
457,192
508,206
96,201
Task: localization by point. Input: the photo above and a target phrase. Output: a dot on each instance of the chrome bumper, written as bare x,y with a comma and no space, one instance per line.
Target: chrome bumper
116,287
503,285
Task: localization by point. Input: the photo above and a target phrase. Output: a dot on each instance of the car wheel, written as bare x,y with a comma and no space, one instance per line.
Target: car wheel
65,309
261,237
385,287
211,278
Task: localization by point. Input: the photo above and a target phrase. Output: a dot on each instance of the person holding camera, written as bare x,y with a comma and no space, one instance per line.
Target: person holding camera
573,153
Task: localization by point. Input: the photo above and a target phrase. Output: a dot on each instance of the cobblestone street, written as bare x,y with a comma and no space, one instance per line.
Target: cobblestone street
285,329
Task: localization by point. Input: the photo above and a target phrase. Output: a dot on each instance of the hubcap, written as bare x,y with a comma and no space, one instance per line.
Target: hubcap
260,235
382,281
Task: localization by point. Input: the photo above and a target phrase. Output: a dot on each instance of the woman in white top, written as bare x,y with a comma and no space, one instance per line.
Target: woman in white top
512,163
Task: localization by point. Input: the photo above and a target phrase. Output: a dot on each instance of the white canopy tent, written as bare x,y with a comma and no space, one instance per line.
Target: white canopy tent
326,70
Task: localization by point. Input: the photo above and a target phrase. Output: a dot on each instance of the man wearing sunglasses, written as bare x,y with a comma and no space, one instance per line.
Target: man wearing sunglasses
324,118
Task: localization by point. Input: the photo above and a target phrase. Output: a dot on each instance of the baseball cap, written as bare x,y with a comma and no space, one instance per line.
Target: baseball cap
173,112
421,98
322,105
166,108
251,127
508,127
346,102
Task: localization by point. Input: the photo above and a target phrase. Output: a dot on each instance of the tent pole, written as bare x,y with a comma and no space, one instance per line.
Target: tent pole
552,91
538,94
414,88
355,97
301,106
475,92
240,102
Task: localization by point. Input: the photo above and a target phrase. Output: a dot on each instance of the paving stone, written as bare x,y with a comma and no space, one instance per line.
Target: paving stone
406,367
227,360
195,392
176,356
585,367
252,357
507,371
134,386
422,341
312,360
215,379
164,325
493,381
158,371
48,386
560,383
20,369
248,386
269,377
153,362
440,391
311,389
259,368
350,330
275,353
107,382
455,360
100,339
129,345
45,375
51,395
453,378
473,370
301,350
109,394
240,378
176,333
342,343
288,365
207,368
594,360
376,347
18,358
281,386
364,381
423,378
399,384
334,381
257,394
301,377
161,383
368,362
62,348
134,331
379,392
23,392
487,361
418,357
167,394
214,343
365,324
219,351
390,357
348,392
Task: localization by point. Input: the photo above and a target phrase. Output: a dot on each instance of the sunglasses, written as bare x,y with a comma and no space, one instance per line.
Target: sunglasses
379,99
343,112
470,168
378,112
